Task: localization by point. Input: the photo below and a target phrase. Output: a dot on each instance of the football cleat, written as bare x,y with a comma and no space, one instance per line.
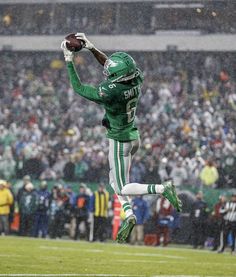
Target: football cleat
170,194
126,229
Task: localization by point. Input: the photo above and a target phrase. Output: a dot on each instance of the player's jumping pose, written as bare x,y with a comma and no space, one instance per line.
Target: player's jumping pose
119,95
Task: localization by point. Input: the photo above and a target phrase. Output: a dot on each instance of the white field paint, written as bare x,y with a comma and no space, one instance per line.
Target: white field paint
10,255
116,252
69,275
143,261
147,255
173,262
71,249
96,275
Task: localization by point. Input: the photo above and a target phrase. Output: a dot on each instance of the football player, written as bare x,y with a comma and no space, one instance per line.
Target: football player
119,94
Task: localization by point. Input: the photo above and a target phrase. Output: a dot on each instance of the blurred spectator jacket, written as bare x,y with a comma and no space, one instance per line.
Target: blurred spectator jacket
82,205
43,200
28,204
6,200
199,211
164,211
99,203
209,175
140,209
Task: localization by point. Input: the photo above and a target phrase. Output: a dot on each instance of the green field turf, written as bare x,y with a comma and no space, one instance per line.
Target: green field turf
38,257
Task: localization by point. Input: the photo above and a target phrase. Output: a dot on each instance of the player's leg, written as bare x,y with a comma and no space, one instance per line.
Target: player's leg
115,179
120,155
167,189
119,160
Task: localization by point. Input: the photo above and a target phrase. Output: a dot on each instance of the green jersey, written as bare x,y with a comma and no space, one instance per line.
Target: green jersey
119,101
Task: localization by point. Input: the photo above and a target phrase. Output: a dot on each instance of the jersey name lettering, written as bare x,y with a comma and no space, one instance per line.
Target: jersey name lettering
132,92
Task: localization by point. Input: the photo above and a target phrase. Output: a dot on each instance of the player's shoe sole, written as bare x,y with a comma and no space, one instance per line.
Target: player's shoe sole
170,194
126,229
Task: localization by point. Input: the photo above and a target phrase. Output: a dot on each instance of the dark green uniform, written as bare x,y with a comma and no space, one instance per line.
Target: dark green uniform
119,96
119,101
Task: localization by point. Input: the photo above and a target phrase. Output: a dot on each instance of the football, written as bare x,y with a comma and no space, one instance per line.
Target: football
74,44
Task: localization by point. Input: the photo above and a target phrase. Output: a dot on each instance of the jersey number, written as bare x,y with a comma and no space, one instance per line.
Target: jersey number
130,109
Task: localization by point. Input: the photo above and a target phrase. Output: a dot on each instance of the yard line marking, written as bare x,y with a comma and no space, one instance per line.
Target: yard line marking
69,275
147,255
142,261
95,275
10,255
116,252
171,262
172,248
71,249
59,248
191,276
94,250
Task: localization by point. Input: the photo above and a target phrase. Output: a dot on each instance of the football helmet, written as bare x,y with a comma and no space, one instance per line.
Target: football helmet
120,67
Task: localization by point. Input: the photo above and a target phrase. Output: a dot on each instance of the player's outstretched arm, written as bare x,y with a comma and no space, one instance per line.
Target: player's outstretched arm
99,55
87,91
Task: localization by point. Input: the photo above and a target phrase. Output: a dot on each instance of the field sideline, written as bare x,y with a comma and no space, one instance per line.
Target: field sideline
38,257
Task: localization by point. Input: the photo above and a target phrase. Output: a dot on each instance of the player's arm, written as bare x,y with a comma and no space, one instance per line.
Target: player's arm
87,91
99,55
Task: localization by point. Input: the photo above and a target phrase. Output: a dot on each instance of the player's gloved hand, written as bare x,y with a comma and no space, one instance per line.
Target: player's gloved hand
82,36
68,55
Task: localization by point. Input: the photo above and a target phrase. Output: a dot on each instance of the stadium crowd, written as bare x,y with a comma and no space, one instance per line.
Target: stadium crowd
186,117
114,18
83,214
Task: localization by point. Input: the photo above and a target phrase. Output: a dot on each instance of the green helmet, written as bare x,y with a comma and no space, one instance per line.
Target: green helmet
120,67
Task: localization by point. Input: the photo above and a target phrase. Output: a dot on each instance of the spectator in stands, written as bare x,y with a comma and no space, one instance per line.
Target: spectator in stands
39,141
163,169
99,207
41,214
179,173
209,174
138,170
164,211
48,174
27,207
7,164
69,170
141,211
6,200
81,211
194,166
99,18
198,216
26,180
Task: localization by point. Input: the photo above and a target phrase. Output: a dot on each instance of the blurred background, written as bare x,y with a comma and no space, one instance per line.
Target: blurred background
186,115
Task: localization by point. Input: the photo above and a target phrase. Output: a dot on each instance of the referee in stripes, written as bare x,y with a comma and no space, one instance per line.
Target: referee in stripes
229,226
